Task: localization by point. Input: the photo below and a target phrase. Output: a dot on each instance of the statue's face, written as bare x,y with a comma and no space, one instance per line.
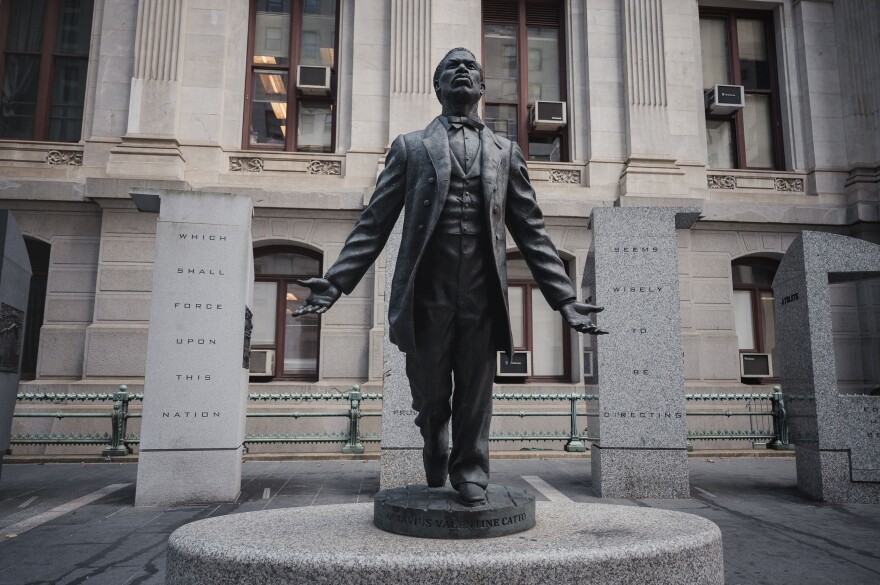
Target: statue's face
460,79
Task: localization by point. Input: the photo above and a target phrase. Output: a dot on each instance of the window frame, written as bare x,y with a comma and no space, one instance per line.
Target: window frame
281,281
47,54
528,285
294,98
758,317
730,16
523,111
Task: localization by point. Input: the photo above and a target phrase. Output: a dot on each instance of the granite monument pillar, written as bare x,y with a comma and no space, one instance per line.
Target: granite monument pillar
15,279
632,269
195,390
836,436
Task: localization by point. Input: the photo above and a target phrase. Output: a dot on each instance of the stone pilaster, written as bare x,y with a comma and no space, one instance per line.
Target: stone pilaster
149,147
650,166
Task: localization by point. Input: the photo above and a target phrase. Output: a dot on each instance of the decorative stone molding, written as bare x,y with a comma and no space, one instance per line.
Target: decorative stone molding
721,181
64,157
245,164
571,177
795,185
325,167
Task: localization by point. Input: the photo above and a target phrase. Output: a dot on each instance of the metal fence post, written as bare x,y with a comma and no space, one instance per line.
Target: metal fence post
780,422
119,420
574,445
354,445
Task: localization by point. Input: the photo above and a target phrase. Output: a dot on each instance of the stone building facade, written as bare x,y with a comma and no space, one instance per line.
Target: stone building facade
197,95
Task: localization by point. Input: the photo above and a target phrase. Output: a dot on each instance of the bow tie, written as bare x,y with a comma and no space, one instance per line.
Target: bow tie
459,121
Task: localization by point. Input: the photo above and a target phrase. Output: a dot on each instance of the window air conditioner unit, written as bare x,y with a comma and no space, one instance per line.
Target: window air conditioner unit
547,116
755,365
519,367
311,80
723,100
262,362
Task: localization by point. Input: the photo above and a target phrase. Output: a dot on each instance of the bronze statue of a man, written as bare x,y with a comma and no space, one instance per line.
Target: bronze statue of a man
458,185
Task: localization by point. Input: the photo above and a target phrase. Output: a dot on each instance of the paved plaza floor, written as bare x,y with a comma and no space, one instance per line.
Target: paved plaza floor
71,523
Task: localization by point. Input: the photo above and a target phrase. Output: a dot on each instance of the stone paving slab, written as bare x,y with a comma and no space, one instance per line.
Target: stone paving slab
771,533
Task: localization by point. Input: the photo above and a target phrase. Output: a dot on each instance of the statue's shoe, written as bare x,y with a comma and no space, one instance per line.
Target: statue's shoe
471,494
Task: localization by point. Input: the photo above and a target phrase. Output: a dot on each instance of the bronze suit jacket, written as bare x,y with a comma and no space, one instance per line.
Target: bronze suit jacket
416,180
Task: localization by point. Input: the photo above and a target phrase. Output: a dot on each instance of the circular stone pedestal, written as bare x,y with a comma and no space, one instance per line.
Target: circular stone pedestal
417,510
570,543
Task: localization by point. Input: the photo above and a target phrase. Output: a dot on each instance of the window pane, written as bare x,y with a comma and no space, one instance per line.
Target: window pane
19,98
68,95
542,147
272,32
502,121
719,142
265,301
300,335
754,66
74,27
753,274
315,126
768,327
547,358
543,45
742,315
269,108
499,52
758,131
713,42
318,37
515,300
287,264
25,29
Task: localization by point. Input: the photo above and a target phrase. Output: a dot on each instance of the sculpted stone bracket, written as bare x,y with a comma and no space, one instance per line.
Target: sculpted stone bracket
325,167
570,177
64,157
245,164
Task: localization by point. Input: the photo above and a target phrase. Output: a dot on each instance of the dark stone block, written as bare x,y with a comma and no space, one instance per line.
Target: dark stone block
417,510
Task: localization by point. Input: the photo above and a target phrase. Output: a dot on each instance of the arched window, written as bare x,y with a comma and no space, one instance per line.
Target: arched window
38,254
276,294
536,327
753,312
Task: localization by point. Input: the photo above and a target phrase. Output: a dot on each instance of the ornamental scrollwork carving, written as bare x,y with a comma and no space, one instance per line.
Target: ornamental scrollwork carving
570,177
793,185
245,164
64,157
721,181
325,167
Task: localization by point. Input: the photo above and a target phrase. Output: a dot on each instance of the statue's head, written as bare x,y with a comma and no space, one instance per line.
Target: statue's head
459,77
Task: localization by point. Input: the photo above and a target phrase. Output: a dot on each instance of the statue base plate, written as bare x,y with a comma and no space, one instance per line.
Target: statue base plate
417,510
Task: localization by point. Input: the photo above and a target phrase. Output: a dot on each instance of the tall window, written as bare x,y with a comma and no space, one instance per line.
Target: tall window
738,49
38,254
276,295
535,326
286,34
753,311
45,56
523,62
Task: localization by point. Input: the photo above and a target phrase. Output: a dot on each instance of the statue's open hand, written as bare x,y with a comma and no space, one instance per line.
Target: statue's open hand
322,297
577,315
